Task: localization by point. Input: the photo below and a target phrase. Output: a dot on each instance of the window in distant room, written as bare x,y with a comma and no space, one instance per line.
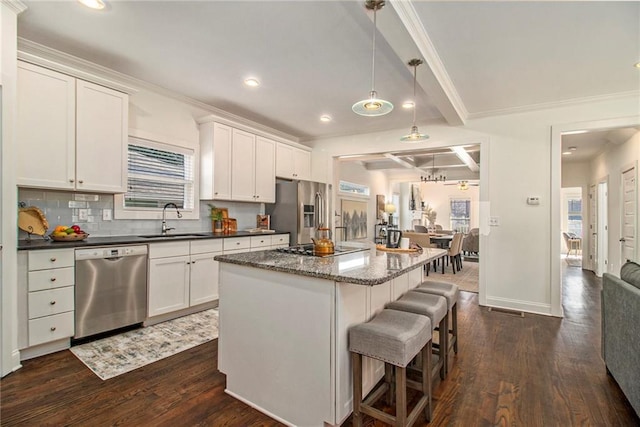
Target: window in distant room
350,187
574,220
460,215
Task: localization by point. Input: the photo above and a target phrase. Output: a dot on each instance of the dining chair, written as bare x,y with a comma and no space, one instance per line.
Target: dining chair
454,253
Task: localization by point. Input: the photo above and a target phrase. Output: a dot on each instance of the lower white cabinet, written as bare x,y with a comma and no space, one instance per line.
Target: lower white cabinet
182,275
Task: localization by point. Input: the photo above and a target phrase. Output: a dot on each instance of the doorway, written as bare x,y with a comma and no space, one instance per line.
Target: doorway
628,214
602,235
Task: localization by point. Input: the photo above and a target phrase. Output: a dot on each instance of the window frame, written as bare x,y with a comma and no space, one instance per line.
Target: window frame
169,144
451,217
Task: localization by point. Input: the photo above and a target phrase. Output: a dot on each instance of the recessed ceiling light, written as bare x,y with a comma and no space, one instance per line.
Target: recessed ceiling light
93,4
637,65
566,153
407,105
325,118
252,82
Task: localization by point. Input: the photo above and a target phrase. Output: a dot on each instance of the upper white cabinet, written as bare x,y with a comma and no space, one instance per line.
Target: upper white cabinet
236,165
292,162
215,159
68,130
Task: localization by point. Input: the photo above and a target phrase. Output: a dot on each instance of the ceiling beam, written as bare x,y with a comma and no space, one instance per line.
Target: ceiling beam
405,163
402,29
466,158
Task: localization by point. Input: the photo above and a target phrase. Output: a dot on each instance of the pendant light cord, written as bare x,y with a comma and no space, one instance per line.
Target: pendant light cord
415,74
373,61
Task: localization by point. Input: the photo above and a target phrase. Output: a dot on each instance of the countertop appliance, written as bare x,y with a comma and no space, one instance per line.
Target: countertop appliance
300,208
111,288
307,250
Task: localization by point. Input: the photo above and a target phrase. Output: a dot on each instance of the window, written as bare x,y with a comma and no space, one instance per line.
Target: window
349,187
158,174
574,220
460,215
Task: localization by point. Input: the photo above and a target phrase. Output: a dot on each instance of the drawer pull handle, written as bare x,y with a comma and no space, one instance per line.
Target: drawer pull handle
53,328
52,303
53,259
53,279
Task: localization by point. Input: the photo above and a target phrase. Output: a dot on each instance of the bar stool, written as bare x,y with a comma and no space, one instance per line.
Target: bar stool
451,292
394,337
435,308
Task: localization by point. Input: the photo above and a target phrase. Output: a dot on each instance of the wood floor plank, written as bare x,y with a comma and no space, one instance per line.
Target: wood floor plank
511,371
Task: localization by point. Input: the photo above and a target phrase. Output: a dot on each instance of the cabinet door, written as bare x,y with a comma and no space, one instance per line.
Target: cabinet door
46,128
265,170
302,164
204,278
222,136
168,285
101,139
243,173
284,161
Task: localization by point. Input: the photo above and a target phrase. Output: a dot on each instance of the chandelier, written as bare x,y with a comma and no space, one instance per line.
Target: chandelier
433,177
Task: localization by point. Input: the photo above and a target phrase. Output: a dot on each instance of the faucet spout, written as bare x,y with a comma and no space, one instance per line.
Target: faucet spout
166,229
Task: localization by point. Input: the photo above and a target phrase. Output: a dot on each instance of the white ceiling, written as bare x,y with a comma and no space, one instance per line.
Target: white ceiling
314,58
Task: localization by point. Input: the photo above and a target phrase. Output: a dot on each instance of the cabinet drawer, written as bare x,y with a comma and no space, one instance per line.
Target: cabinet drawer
280,240
163,250
53,258
50,279
205,246
236,243
260,241
53,301
51,328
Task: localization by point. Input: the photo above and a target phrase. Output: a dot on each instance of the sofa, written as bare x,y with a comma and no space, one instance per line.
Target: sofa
621,330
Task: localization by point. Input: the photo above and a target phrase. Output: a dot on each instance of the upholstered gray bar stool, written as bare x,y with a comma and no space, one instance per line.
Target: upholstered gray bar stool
451,292
435,308
394,337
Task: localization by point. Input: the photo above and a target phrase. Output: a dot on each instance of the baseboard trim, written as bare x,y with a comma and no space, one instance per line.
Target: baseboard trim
258,408
518,305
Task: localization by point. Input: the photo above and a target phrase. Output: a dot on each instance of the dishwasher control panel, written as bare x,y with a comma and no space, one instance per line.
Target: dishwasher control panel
110,252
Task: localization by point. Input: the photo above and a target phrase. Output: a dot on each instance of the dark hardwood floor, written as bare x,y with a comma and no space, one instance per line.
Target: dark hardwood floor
531,371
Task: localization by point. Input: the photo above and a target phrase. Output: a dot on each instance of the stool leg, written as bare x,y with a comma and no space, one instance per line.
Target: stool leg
388,378
356,362
426,377
454,326
401,396
443,342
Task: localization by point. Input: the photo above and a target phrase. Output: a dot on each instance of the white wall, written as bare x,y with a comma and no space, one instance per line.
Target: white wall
609,165
515,163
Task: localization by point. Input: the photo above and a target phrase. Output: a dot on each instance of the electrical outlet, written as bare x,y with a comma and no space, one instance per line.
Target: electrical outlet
83,215
494,221
106,214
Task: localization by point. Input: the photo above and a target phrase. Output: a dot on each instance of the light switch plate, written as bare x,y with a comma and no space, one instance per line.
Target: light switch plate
106,214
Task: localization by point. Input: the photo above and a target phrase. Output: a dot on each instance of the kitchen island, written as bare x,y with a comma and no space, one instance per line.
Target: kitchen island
284,321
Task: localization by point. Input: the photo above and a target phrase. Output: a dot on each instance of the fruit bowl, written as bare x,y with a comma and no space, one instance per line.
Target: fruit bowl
69,237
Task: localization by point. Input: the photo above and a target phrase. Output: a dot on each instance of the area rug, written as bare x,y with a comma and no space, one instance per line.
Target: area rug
467,279
115,355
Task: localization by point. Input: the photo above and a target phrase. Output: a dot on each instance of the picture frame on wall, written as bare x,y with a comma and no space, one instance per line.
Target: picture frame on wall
354,218
380,208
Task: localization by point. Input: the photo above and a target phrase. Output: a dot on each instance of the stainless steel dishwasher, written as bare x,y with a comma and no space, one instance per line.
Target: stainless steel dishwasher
111,288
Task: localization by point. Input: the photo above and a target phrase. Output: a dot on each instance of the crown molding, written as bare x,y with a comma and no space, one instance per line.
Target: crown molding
412,23
56,60
16,6
558,104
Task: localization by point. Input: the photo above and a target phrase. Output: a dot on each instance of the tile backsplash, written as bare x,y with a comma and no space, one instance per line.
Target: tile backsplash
94,213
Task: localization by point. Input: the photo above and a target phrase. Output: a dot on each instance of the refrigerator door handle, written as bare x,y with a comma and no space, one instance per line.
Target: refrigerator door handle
318,209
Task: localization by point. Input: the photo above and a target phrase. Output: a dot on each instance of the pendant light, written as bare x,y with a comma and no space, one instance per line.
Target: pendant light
414,135
373,106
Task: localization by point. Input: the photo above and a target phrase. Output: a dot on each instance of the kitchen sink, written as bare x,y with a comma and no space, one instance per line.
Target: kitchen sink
168,236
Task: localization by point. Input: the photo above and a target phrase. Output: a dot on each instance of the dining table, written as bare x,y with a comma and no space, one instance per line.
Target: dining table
442,240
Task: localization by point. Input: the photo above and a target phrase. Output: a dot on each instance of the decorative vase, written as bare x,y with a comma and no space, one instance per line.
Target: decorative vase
216,225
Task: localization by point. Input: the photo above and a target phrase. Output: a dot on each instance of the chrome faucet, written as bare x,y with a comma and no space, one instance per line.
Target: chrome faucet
166,229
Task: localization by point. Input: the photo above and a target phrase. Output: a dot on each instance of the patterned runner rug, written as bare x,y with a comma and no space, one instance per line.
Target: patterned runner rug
115,355
467,279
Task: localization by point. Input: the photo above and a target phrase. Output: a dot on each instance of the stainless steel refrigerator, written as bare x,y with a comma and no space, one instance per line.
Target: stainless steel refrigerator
300,208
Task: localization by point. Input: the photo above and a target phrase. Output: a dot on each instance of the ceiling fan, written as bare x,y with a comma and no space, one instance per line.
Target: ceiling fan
463,184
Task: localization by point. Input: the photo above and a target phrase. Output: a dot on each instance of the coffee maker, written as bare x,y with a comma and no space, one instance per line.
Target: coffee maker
393,238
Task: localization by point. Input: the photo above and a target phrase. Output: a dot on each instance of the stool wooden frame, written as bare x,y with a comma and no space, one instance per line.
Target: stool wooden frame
394,385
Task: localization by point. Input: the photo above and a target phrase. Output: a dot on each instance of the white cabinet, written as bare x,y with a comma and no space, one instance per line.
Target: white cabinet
49,297
182,275
215,161
68,130
292,162
253,176
236,165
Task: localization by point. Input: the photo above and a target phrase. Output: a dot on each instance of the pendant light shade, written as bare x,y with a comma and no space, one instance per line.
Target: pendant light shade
373,106
414,134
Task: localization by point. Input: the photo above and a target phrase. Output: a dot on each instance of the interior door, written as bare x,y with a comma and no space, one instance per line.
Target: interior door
603,227
628,238
593,221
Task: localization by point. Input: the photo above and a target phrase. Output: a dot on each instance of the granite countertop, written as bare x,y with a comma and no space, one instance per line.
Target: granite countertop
38,243
368,267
